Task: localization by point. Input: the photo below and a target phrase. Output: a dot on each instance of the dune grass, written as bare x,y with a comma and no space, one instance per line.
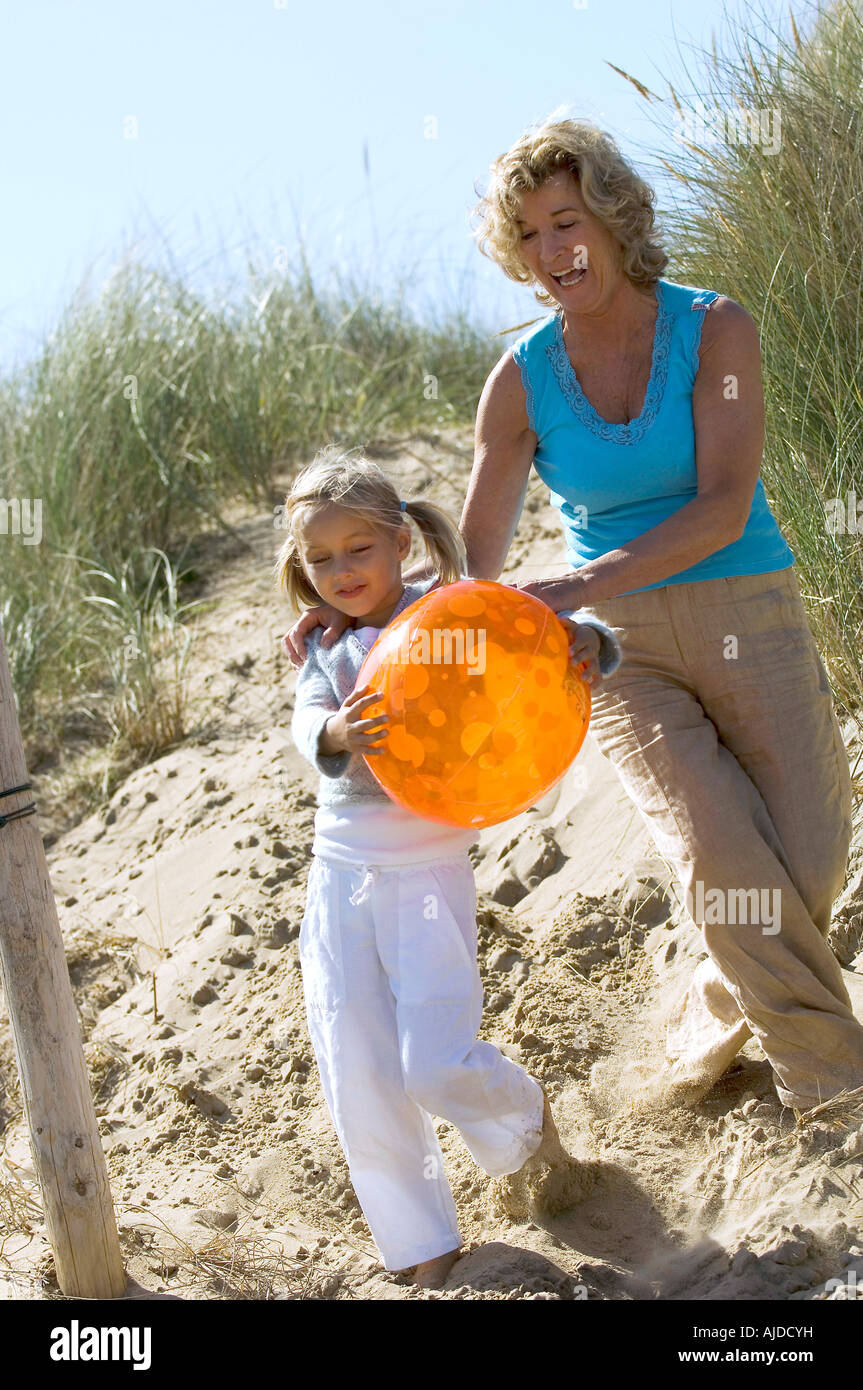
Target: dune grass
771,180
144,413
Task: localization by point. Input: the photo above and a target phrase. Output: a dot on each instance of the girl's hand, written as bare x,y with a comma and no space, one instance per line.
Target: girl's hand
348,730
584,648
333,619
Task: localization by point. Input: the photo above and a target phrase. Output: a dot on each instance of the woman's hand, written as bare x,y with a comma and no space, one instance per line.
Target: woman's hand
563,592
348,730
333,619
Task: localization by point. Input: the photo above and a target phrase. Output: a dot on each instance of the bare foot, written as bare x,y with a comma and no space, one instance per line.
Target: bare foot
431,1274
548,1182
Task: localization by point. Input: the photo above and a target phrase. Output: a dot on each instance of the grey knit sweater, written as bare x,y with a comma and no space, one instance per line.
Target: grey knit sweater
327,677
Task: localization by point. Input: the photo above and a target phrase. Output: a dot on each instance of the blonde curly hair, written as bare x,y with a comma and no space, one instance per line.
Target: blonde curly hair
609,186
353,481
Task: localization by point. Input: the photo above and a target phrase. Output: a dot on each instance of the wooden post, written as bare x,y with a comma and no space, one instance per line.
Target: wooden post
64,1137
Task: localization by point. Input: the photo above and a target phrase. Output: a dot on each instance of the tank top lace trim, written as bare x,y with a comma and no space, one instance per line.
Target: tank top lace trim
631,431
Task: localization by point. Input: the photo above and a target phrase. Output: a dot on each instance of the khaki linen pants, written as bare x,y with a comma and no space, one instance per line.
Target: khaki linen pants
721,726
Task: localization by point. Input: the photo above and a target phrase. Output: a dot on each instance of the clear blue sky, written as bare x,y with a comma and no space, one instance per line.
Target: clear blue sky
256,118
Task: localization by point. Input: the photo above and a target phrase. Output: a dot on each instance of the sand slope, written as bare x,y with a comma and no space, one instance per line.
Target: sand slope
180,904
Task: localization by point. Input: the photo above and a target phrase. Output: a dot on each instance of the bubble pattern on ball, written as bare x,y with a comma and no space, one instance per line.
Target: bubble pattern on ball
486,709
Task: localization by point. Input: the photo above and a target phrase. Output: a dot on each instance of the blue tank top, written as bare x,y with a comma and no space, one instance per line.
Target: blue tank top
612,482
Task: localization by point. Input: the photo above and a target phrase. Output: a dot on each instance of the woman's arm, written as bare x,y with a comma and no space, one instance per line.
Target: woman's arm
503,453
728,416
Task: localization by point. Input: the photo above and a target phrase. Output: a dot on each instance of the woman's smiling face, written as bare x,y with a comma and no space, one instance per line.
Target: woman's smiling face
559,233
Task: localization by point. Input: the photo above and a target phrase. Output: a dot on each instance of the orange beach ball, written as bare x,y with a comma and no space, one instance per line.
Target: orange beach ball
486,709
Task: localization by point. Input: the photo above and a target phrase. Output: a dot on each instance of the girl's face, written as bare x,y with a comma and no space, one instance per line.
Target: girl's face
353,565
557,231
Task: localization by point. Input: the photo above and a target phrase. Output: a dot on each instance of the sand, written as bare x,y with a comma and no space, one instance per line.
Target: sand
180,902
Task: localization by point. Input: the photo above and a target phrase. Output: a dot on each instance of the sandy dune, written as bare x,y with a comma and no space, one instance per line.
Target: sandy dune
180,904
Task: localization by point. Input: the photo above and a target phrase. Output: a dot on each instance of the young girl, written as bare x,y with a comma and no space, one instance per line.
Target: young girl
388,944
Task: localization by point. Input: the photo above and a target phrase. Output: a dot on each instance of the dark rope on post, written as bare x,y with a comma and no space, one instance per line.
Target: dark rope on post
22,810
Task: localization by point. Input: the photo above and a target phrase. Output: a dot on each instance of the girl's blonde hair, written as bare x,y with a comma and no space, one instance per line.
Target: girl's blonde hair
353,481
609,186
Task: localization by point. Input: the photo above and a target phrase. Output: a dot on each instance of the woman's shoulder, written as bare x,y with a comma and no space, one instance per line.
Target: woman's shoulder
324,658
727,321
689,298
540,333
686,298
722,324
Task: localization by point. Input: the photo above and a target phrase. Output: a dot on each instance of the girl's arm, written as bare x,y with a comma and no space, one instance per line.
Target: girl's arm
315,702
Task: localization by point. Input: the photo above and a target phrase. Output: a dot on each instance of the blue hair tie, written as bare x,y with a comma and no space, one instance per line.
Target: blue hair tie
403,504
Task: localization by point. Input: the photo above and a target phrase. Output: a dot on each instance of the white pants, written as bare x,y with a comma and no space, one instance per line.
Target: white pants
393,1003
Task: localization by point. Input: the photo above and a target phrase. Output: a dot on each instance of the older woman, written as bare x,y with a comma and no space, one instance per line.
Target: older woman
639,403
